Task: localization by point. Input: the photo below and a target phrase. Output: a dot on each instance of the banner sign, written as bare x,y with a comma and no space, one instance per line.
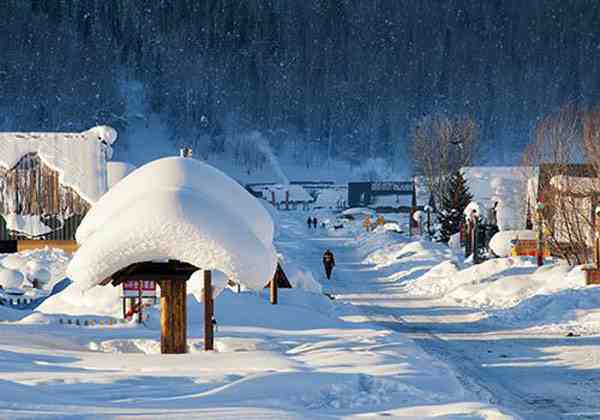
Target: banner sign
392,187
132,288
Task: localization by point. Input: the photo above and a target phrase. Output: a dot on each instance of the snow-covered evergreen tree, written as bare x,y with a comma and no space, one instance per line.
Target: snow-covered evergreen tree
454,201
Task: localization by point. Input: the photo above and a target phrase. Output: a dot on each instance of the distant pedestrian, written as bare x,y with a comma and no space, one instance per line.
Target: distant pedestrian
314,221
309,222
328,263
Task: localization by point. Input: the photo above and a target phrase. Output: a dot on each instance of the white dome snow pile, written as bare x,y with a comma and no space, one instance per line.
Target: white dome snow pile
176,208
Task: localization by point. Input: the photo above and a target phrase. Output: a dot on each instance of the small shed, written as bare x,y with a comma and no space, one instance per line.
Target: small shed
48,181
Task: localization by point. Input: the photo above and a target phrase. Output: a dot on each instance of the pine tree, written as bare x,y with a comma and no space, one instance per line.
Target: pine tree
454,201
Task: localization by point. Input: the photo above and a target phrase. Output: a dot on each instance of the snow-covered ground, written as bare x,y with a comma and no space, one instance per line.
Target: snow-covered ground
413,332
517,336
309,357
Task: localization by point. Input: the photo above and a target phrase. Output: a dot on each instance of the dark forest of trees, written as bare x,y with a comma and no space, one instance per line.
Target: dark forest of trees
345,78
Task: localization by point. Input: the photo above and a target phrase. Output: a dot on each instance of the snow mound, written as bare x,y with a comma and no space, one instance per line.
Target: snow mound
14,261
181,209
48,266
11,279
79,158
501,242
472,207
76,300
359,211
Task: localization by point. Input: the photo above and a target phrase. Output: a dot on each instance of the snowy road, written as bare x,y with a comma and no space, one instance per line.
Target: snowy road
534,375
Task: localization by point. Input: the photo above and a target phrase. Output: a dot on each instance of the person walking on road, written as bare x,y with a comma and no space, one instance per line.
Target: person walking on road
328,263
314,221
309,222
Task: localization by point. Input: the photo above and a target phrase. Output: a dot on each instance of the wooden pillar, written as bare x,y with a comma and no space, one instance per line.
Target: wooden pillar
467,234
273,199
140,303
124,306
173,323
273,297
539,250
475,238
287,200
208,312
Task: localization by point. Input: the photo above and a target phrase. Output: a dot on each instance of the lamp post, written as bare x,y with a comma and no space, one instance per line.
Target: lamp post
539,250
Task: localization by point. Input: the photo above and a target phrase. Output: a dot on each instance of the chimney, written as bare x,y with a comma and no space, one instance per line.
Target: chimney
185,152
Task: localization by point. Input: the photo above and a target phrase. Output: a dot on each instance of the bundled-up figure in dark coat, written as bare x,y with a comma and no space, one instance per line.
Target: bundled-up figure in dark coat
328,263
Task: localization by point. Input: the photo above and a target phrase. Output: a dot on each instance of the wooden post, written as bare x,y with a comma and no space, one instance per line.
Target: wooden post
287,200
173,313
467,234
273,198
140,303
273,290
124,306
474,236
596,232
208,312
539,251
413,208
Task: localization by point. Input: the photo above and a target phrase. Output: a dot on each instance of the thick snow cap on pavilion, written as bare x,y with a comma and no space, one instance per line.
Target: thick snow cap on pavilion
181,209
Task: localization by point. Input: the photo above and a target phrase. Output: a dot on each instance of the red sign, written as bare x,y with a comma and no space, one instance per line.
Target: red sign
146,285
132,288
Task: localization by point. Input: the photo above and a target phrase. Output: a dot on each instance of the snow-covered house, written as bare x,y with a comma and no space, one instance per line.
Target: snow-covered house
571,193
48,181
282,195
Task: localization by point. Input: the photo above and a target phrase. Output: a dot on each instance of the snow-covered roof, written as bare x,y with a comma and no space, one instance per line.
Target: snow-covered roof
297,193
176,208
79,158
575,184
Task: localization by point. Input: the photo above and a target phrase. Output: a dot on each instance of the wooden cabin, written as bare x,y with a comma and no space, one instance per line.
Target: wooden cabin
570,194
48,181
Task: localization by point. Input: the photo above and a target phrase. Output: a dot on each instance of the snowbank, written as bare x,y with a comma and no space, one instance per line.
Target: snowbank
176,208
359,211
30,225
501,242
331,198
47,266
79,158
76,300
11,280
